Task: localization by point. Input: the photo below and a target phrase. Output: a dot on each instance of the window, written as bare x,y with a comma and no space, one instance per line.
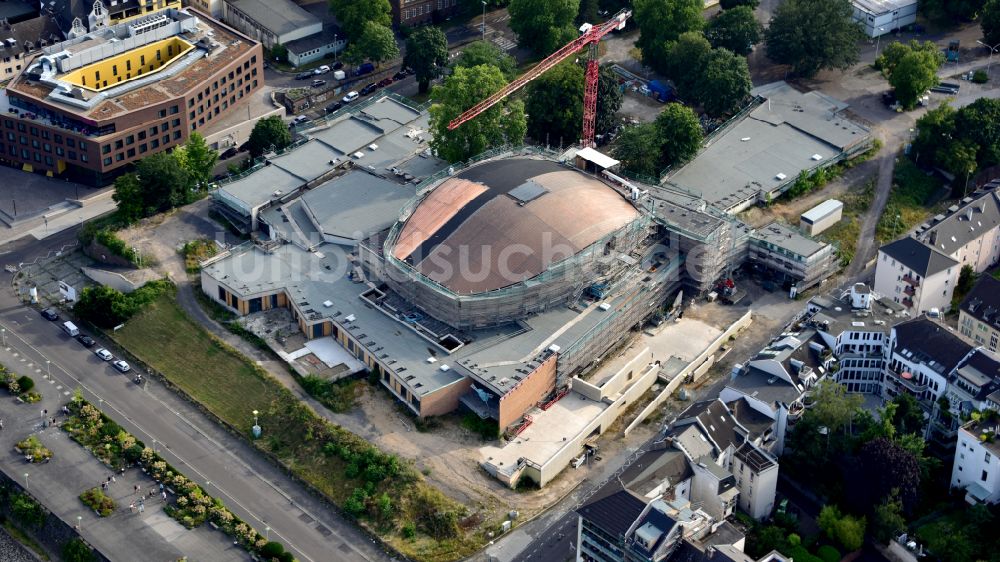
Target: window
70,142
47,147
164,127
119,157
984,476
152,131
83,158
58,138
175,123
34,143
59,151
107,161
166,139
987,457
162,113
72,155
174,110
131,153
48,160
119,144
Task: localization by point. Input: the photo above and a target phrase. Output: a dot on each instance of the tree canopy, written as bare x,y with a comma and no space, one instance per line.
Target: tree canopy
686,61
353,14
680,133
990,23
609,100
198,158
376,43
729,4
953,10
638,149
660,23
848,530
911,69
555,105
811,35
736,29
543,25
504,123
165,182
426,54
960,141
486,52
724,82
268,132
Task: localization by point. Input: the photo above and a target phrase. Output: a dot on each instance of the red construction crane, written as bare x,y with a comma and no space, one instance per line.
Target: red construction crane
591,37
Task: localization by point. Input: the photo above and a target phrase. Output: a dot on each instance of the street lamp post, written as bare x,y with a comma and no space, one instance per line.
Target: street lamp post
25,481
3,331
256,426
877,41
267,533
79,522
484,19
993,50
48,368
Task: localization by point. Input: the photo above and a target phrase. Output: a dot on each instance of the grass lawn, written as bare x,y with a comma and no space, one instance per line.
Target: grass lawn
910,202
336,462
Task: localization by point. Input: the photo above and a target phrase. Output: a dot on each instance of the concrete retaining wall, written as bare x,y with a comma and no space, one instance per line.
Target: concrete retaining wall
110,279
706,357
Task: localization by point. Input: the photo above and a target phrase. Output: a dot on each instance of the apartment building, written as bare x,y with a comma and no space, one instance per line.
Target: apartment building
916,275
979,314
419,12
19,42
79,17
922,354
976,468
794,259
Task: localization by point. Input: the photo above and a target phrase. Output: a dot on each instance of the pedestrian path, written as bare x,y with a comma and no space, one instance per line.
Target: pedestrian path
126,534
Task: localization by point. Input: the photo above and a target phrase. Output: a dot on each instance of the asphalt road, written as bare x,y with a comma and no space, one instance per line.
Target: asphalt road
224,465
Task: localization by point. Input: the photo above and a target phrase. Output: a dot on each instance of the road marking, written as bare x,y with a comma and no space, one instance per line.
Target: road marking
65,393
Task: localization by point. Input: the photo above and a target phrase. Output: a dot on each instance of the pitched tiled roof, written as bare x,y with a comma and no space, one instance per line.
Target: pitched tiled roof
615,513
983,301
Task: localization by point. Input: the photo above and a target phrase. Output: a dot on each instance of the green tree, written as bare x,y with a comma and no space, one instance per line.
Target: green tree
279,52
954,10
588,12
553,105
895,51
888,520
504,123
884,468
913,72
486,52
686,61
353,14
834,407
543,25
199,159
376,43
681,134
966,280
76,550
811,35
909,417
736,29
165,182
959,158
426,54
638,149
268,132
848,530
661,22
935,127
730,4
103,306
979,123
990,22
724,84
609,100
128,196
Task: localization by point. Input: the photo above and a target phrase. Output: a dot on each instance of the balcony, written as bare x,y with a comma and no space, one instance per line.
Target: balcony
908,302
911,280
909,290
904,382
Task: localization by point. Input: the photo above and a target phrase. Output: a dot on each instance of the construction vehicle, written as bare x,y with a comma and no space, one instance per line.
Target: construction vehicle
728,292
589,37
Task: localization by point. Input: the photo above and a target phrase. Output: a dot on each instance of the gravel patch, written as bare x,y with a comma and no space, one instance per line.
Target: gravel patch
12,551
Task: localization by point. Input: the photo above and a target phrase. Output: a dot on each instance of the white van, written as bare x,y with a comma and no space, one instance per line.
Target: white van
71,329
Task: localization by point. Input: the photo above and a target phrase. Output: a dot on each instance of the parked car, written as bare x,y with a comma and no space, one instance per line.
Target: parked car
318,83
369,89
947,88
366,68
122,366
889,98
322,69
334,106
50,314
338,65
384,82
229,153
399,76
86,340
104,354
351,96
303,75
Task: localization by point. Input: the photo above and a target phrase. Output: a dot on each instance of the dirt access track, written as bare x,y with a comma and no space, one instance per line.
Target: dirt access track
448,454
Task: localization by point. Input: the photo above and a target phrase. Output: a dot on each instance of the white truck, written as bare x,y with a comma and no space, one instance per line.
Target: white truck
71,329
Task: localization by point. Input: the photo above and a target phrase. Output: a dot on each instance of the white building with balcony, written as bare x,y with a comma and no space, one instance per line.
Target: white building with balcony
977,461
916,276
922,355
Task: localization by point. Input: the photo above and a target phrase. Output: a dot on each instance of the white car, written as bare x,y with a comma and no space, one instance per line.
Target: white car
351,96
122,366
322,70
104,354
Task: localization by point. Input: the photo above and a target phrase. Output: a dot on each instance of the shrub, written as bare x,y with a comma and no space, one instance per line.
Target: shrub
34,448
95,499
77,551
980,77
27,510
409,530
26,383
828,553
272,550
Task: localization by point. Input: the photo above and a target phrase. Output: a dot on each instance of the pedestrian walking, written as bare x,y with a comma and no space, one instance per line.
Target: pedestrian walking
152,492
1,424
135,489
161,483
142,508
131,507
123,471
113,481
164,494
104,486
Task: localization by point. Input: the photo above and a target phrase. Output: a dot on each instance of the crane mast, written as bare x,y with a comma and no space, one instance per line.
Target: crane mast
590,38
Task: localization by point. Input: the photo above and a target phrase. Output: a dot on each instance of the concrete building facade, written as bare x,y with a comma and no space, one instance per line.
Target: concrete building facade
916,276
878,17
271,22
821,217
979,314
977,462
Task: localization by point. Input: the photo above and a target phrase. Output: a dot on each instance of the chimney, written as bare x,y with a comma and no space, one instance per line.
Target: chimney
933,237
968,213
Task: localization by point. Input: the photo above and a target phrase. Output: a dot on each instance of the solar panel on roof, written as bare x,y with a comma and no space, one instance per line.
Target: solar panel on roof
528,191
